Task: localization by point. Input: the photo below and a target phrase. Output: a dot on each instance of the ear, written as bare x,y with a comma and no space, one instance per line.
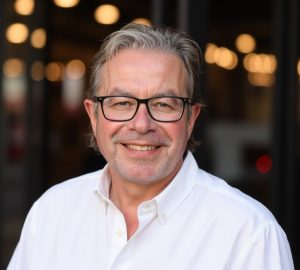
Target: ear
90,109
195,112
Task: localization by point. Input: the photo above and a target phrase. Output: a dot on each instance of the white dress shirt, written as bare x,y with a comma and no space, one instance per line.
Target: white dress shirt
198,222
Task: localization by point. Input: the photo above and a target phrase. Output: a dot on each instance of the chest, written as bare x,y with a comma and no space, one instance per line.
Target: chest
100,242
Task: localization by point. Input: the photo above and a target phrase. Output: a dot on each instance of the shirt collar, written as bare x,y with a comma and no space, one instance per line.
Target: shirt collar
179,188
103,184
170,198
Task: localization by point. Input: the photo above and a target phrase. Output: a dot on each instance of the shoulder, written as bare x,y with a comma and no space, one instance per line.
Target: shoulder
232,215
70,191
231,202
77,184
247,229
83,181
212,196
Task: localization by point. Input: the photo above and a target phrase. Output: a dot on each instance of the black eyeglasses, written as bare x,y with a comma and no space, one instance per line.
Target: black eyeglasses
161,109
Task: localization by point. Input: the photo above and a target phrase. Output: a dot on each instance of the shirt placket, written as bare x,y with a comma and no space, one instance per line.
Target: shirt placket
124,259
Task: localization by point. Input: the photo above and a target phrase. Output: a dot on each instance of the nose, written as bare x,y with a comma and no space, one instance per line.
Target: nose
142,121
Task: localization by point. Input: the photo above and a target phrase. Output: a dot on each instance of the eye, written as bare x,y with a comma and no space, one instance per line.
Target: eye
165,104
120,103
162,104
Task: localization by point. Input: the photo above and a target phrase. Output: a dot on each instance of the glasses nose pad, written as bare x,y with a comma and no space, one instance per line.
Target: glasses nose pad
145,109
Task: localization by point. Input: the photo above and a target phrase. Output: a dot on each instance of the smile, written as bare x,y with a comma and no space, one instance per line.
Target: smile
141,147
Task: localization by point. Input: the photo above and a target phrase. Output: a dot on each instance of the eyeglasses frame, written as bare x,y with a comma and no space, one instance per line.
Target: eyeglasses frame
145,101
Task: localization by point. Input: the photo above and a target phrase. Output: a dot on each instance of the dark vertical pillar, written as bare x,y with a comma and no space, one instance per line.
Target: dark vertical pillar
21,156
1,133
284,183
158,9
198,20
192,17
35,100
183,10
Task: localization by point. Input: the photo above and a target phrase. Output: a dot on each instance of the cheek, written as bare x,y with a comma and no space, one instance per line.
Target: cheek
102,135
179,133
105,130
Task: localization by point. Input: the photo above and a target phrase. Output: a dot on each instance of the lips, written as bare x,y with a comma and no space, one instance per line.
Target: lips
141,147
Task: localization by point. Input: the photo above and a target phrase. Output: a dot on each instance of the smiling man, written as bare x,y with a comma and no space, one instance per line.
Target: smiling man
151,207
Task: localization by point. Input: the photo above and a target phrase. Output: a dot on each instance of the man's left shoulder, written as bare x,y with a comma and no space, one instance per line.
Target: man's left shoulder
230,201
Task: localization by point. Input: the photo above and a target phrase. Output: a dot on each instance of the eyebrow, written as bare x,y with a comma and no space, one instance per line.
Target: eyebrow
120,92
163,93
123,92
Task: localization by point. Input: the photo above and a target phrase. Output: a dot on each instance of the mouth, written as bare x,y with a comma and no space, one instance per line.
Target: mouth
142,148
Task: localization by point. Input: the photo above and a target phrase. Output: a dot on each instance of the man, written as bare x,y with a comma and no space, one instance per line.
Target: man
151,207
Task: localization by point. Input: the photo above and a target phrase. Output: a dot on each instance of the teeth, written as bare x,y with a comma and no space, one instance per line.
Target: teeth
141,147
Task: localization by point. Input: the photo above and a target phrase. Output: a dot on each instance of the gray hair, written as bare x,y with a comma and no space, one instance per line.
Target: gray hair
138,36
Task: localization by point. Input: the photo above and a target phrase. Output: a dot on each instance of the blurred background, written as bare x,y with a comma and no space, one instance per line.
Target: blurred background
249,129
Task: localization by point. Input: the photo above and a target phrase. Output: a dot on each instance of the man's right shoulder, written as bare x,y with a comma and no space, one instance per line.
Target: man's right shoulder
71,189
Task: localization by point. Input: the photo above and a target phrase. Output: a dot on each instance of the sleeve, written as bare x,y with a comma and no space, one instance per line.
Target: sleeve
23,253
267,250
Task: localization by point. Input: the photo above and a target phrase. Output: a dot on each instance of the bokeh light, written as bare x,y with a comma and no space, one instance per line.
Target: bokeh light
264,164
13,67
17,33
38,38
75,69
143,21
220,56
209,53
261,79
66,3
54,71
24,7
37,71
245,43
262,63
225,58
107,14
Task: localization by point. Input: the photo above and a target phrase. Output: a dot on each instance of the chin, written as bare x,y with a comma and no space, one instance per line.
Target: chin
142,177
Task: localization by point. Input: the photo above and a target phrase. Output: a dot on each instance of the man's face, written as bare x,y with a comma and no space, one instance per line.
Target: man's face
143,150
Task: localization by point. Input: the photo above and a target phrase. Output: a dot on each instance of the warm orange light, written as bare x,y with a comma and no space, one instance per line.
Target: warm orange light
13,67
233,61
37,71
245,43
107,14
38,38
298,67
54,71
66,3
209,53
17,33
142,21
225,58
75,69
24,7
261,79
261,63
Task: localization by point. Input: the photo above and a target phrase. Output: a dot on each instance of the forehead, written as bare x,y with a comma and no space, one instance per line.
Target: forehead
144,71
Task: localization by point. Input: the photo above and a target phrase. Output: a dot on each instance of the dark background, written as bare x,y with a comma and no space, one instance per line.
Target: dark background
243,128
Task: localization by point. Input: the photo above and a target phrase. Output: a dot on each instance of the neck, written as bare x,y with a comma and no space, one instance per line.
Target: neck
127,196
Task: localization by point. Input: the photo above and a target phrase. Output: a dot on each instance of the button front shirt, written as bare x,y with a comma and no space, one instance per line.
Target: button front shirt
197,222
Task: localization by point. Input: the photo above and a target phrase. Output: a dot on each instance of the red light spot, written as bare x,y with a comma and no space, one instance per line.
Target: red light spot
264,164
